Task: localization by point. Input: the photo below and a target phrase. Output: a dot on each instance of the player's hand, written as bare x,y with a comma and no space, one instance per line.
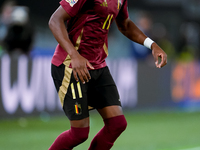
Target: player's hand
157,52
80,71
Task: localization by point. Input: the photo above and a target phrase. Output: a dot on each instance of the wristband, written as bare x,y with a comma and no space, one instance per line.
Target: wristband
148,42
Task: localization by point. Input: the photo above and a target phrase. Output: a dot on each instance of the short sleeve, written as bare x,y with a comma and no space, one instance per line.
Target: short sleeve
72,7
123,13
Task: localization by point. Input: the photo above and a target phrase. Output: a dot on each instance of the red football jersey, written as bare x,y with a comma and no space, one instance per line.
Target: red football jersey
88,28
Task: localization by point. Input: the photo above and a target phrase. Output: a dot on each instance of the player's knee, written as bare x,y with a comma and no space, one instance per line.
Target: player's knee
83,137
121,125
117,124
80,134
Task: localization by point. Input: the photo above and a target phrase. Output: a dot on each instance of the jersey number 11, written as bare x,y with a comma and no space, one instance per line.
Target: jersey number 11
108,20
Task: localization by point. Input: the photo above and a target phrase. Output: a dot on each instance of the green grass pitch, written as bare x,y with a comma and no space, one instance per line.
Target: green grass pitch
145,131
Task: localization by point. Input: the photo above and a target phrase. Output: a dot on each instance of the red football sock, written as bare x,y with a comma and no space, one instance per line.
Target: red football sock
70,138
106,137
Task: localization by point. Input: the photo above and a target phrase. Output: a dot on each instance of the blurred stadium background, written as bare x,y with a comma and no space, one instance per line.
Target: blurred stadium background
161,105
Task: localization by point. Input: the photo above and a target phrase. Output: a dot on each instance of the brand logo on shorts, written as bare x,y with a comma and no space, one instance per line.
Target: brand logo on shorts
72,2
78,109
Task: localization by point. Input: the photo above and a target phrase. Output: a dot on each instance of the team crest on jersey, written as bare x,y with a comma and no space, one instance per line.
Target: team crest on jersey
72,2
78,109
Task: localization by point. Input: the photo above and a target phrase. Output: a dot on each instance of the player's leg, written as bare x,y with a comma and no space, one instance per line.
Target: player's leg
114,124
74,106
108,105
110,111
76,135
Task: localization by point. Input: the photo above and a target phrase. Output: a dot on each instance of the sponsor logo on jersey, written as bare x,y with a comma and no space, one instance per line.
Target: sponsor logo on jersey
72,2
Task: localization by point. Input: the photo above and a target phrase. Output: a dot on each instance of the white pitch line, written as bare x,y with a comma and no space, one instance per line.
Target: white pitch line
195,148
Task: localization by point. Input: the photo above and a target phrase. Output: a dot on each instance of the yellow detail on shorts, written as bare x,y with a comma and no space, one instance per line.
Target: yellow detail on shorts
73,91
66,80
79,90
90,108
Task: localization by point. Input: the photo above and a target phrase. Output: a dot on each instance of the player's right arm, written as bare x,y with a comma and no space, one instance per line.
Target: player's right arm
58,28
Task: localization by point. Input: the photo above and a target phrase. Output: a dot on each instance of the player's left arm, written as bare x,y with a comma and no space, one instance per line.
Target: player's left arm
131,31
